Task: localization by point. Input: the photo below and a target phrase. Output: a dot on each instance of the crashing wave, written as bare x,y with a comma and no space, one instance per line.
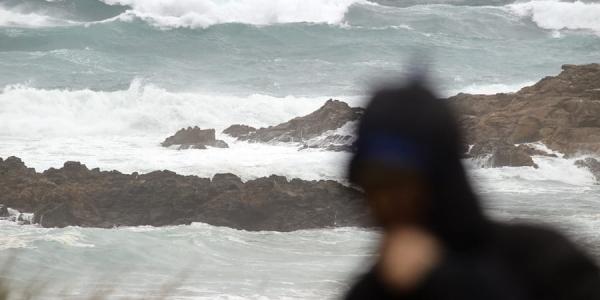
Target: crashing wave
204,13
10,18
558,15
13,215
143,108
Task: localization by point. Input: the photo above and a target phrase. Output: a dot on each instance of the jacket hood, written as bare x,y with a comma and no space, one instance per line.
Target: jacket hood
409,127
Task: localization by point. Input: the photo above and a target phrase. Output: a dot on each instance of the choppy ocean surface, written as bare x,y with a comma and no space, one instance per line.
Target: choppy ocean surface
105,81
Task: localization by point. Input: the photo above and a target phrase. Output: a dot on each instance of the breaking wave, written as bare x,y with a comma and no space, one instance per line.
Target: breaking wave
547,14
558,15
9,18
143,108
204,13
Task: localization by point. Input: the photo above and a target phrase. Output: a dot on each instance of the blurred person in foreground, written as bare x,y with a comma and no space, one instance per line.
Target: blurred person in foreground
437,243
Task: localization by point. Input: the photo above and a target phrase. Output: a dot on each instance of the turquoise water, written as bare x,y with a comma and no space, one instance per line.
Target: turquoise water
322,48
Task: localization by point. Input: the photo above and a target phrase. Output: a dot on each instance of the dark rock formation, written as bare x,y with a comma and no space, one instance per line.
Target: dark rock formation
194,138
75,195
331,116
561,111
239,131
502,154
334,142
591,164
4,211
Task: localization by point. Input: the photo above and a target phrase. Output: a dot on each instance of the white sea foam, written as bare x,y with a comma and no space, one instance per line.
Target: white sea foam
554,174
122,130
204,13
307,264
490,89
141,109
558,15
12,18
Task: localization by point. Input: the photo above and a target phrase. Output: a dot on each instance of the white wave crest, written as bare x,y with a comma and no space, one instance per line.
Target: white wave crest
558,15
204,13
11,18
141,109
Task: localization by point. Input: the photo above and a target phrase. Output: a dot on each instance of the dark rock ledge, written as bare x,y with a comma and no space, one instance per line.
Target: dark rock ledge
315,130
76,195
562,112
194,138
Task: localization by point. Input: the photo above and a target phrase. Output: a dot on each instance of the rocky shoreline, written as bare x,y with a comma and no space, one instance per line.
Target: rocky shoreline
561,112
75,195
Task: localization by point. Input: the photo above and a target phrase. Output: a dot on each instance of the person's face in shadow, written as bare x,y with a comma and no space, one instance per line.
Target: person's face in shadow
397,198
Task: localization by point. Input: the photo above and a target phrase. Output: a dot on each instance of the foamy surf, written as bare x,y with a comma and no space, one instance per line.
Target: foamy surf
204,13
202,261
559,15
141,109
10,18
547,14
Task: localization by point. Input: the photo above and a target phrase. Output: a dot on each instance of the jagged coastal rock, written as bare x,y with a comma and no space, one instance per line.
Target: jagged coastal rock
315,130
4,211
562,111
495,154
239,131
75,195
194,138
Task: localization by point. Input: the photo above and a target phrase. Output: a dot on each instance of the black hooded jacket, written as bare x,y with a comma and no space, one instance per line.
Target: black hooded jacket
482,259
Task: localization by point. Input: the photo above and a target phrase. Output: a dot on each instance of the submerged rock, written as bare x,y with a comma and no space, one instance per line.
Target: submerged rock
75,195
194,138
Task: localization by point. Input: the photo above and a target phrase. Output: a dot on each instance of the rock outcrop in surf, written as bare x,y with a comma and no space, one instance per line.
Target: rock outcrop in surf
3,211
76,195
315,130
239,131
592,164
562,112
493,154
194,138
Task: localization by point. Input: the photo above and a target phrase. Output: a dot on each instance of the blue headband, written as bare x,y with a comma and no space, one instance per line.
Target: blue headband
391,150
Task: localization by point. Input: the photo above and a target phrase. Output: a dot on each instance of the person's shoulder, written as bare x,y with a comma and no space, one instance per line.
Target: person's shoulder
529,233
365,287
547,263
539,243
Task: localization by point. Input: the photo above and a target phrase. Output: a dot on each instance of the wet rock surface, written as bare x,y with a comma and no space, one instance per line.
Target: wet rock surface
194,138
4,211
315,130
239,131
562,111
502,154
75,195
